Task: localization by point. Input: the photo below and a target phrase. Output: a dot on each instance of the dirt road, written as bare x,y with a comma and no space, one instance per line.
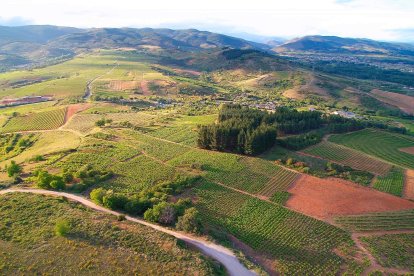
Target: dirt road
217,252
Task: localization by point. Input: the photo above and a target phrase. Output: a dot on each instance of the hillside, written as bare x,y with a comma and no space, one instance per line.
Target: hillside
340,45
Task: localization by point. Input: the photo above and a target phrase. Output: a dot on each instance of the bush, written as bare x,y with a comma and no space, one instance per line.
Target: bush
97,195
62,228
57,184
114,201
46,180
190,221
67,177
13,169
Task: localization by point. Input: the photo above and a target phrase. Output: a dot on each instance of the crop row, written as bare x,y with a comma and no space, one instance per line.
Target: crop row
379,221
348,157
36,121
392,183
279,182
380,144
301,245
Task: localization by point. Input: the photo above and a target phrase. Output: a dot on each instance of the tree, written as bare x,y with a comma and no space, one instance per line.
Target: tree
190,221
67,177
167,215
13,169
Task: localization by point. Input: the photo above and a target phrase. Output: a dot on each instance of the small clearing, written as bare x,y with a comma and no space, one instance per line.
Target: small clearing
403,102
326,198
145,89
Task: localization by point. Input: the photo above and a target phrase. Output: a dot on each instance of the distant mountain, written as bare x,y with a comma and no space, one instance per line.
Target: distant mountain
190,39
33,33
37,45
339,45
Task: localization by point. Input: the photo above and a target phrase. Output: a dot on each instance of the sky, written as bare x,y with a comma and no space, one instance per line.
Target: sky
387,20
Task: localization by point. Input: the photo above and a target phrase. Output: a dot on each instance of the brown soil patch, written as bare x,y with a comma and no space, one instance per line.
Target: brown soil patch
118,85
145,89
409,184
326,198
75,108
310,87
409,150
403,102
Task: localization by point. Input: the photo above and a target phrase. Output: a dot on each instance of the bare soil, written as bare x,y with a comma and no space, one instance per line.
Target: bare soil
330,197
145,89
403,102
119,85
409,150
75,108
409,184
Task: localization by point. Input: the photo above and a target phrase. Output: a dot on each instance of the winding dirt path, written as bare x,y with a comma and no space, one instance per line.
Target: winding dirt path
218,252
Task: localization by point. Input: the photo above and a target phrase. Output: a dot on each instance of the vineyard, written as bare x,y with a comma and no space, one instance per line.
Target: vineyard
387,250
380,144
274,230
348,157
241,172
379,221
392,183
280,182
36,121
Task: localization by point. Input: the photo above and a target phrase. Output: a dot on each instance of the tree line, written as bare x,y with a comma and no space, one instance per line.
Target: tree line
251,131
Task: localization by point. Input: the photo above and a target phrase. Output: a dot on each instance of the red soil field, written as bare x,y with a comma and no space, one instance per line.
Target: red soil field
75,108
409,184
330,197
409,150
123,85
144,88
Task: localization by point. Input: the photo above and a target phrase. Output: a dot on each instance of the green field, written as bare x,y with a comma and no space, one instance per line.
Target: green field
348,157
392,183
274,230
95,244
44,120
379,144
379,221
394,251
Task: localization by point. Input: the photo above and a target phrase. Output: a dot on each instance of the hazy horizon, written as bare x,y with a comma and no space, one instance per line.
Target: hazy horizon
383,20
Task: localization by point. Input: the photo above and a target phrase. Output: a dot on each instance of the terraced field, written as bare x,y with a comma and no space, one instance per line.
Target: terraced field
392,183
36,121
274,230
380,144
348,157
379,221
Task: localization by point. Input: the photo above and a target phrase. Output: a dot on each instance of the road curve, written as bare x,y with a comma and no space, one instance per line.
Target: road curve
215,251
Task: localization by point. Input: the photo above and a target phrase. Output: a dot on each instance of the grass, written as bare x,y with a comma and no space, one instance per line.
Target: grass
392,183
45,120
379,144
47,143
402,220
273,230
348,157
95,244
394,251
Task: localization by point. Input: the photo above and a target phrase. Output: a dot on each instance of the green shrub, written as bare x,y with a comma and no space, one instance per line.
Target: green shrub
62,228
190,221
97,195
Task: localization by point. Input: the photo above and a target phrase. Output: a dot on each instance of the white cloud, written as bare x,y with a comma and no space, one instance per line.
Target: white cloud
351,18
